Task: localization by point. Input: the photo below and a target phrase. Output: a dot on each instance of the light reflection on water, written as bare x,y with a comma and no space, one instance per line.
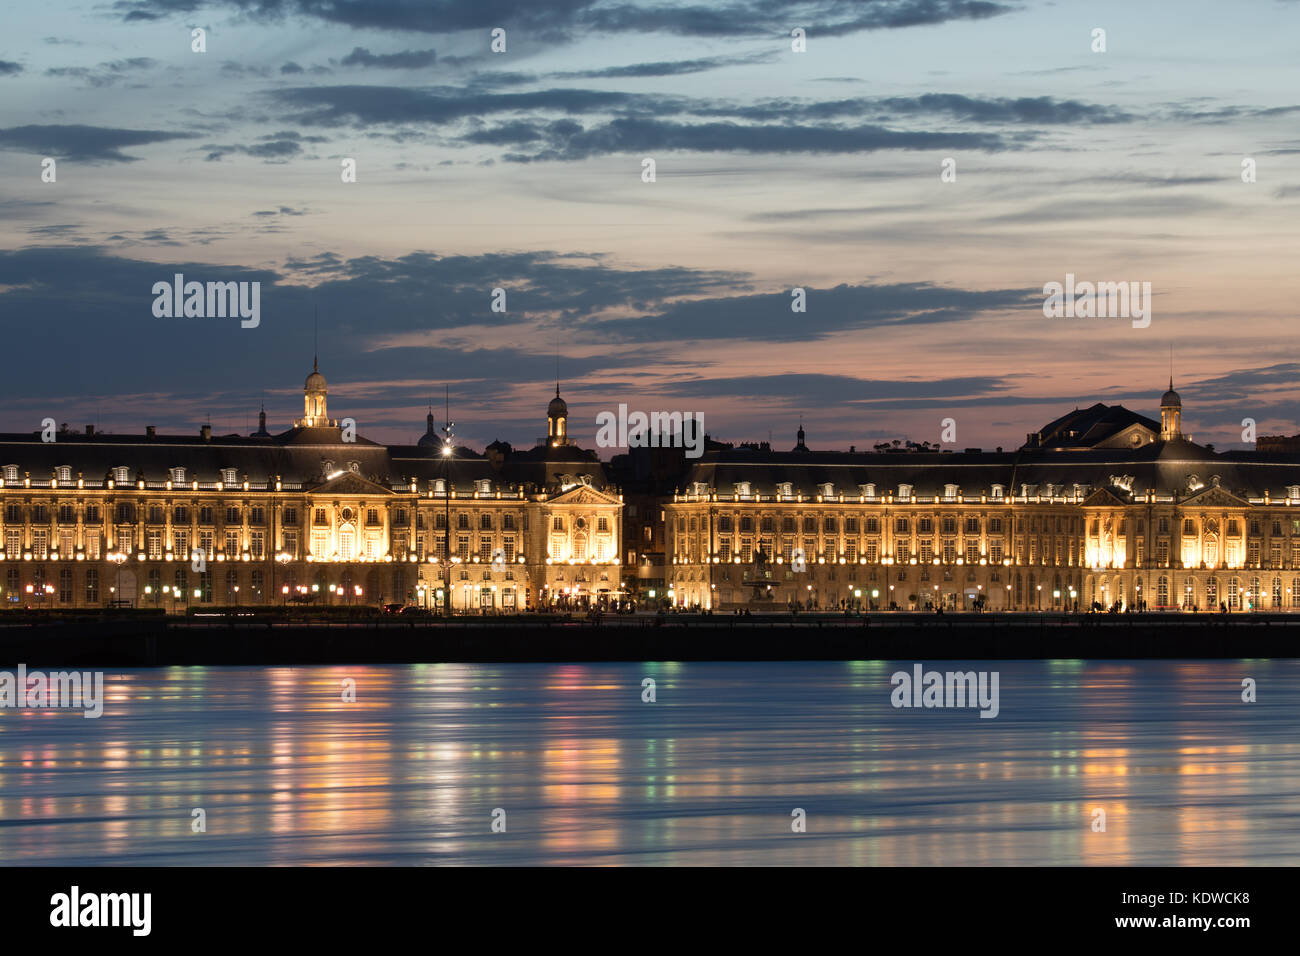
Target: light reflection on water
288,773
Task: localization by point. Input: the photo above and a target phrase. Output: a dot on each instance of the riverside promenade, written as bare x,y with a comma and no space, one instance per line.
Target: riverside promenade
126,639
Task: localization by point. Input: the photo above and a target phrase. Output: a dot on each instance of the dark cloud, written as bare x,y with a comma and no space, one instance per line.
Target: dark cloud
95,144
406,60
665,67
572,141
282,211
272,147
1039,110
10,68
368,105
290,67
104,74
559,19
631,122
103,304
751,17
768,317
272,151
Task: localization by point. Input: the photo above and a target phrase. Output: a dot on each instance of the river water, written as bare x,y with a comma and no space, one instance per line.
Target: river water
579,769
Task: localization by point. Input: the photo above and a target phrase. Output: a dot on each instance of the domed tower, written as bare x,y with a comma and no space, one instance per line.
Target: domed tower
314,412
430,437
557,420
1171,414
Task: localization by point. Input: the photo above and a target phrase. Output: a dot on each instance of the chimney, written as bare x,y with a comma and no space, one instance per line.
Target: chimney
151,431
90,429
206,433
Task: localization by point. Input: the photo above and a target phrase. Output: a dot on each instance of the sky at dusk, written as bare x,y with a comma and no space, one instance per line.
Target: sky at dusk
774,170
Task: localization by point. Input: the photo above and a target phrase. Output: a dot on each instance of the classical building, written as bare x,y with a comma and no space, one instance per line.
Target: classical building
1100,506
314,514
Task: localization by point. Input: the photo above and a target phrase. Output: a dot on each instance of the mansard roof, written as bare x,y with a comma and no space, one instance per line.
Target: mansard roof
536,468
1166,468
1089,427
298,456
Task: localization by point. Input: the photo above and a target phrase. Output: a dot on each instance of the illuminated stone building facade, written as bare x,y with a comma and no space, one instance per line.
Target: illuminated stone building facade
1102,505
315,514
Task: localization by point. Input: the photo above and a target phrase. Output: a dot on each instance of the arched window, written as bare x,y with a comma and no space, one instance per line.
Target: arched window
1234,594
1162,591
1212,594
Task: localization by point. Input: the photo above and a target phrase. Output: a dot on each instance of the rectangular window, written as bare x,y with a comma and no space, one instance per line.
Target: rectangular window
92,585
257,543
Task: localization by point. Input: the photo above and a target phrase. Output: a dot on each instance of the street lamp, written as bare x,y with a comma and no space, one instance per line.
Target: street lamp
446,523
117,557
